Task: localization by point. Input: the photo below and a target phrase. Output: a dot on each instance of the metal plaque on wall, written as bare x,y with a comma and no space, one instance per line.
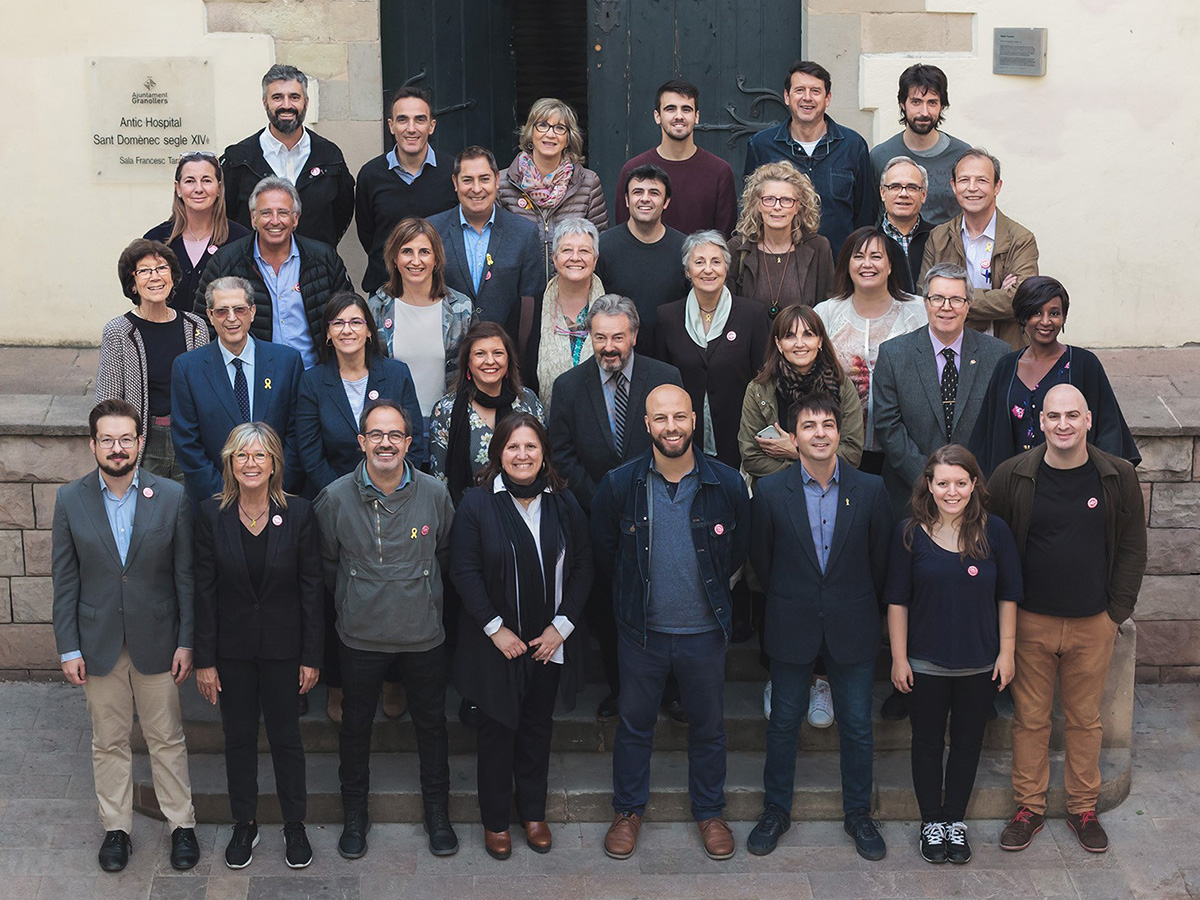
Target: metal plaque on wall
1019,51
145,112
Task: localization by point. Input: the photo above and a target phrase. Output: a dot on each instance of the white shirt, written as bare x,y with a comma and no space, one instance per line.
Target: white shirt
417,341
978,252
284,162
532,517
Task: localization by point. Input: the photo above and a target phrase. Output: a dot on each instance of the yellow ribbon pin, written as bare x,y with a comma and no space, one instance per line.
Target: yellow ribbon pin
266,384
489,260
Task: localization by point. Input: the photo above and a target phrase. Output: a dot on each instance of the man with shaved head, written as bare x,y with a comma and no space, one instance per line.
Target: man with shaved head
1080,525
688,531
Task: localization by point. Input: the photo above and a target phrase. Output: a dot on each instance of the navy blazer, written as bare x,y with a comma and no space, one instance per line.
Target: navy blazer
516,269
204,411
326,430
805,607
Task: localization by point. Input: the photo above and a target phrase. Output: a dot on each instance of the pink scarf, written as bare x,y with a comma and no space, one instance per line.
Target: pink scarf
546,192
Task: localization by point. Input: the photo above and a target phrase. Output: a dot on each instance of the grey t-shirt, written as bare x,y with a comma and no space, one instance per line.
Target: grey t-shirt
940,205
678,602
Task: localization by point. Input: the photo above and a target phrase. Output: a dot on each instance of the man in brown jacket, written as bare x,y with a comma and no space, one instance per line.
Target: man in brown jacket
1080,525
997,253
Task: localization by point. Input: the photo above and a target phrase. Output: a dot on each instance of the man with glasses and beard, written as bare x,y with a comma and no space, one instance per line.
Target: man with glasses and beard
672,526
123,586
286,149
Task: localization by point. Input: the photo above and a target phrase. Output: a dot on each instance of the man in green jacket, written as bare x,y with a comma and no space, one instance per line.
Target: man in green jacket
1078,517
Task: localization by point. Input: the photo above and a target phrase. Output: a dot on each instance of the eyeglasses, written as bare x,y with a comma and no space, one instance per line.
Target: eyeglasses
781,202
544,127
161,271
903,188
376,436
242,457
224,312
352,324
108,443
939,300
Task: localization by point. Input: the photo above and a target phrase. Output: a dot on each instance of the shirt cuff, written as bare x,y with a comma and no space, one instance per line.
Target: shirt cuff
563,626
67,657
493,626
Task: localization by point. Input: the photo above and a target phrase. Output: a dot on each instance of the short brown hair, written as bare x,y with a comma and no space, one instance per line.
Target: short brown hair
135,253
114,407
405,231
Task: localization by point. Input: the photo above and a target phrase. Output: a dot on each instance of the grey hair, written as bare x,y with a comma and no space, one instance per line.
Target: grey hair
613,305
898,160
575,225
275,183
979,153
280,72
696,238
946,270
228,283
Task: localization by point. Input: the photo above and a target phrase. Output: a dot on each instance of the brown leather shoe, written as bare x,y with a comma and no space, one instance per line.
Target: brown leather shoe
395,702
333,705
1021,828
497,843
718,839
1091,834
537,836
622,835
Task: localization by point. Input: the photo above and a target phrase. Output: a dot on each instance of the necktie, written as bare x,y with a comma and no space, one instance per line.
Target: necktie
241,391
949,390
620,406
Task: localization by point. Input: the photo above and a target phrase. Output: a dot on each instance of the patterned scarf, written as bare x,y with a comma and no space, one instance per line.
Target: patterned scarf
547,192
791,385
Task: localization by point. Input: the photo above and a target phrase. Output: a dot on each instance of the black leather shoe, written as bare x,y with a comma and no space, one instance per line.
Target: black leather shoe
468,713
608,708
865,832
674,711
895,707
114,852
353,842
442,839
770,828
185,849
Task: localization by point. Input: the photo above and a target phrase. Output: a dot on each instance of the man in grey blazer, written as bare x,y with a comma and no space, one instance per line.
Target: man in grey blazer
493,256
122,566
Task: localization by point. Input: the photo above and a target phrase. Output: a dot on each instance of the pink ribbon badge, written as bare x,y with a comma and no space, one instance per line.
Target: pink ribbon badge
147,492
277,520
731,335
1093,503
424,529
718,529
972,571
374,395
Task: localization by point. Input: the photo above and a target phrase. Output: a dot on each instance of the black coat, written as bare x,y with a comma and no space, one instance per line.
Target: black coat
326,186
282,618
189,275
722,370
483,571
321,275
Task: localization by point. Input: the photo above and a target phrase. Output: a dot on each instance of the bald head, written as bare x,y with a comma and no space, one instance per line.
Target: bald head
670,395
671,422
1065,421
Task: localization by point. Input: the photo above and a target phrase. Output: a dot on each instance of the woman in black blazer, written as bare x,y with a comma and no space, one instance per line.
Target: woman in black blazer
521,561
716,340
352,373
259,629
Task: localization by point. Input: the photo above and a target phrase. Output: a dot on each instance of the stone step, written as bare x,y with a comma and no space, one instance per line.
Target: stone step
581,787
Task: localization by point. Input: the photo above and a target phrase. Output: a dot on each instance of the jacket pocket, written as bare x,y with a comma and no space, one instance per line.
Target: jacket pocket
841,183
87,612
390,610
166,609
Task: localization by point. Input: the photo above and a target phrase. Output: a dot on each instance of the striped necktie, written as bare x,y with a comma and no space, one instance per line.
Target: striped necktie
620,407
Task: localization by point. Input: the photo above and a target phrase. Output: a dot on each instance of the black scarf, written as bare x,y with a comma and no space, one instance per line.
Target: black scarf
535,575
791,385
460,473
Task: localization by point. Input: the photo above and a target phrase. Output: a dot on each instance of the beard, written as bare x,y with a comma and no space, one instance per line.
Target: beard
922,125
673,452
290,125
118,467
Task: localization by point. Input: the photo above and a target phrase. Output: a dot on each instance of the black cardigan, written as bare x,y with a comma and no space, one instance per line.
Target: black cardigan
481,568
992,441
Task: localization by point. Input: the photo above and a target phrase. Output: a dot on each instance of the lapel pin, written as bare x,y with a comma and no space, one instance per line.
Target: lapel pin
213,248
314,171
1093,503
490,261
387,323
847,501
147,492
488,276
972,362
374,395
424,529
718,529
731,335
266,384
296,287
972,571
277,520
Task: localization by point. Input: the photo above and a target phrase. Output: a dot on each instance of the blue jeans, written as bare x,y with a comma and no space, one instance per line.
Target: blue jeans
851,686
698,661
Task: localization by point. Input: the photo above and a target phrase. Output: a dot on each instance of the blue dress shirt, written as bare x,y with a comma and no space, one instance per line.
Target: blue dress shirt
288,319
822,510
476,245
406,176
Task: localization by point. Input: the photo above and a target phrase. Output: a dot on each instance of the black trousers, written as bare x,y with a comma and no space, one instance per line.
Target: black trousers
520,757
269,686
966,700
424,677
602,622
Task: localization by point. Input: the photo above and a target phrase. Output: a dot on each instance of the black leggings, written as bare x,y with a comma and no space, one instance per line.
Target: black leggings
967,701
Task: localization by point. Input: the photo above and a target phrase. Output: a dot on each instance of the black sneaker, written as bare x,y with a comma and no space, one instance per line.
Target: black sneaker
958,851
240,851
442,839
298,853
771,826
865,831
933,842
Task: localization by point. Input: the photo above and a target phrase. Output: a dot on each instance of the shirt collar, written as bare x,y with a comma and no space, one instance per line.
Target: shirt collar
462,220
369,483
393,159
133,485
499,488
938,346
247,355
808,479
293,253
272,144
627,369
989,232
695,469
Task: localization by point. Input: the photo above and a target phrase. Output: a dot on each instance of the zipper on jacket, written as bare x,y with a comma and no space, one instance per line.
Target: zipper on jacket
378,535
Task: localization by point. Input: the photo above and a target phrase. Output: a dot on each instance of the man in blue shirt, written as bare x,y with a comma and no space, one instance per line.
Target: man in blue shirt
834,158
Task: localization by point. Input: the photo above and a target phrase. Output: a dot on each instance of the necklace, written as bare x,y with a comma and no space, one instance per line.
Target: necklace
779,254
196,238
253,519
707,313
772,291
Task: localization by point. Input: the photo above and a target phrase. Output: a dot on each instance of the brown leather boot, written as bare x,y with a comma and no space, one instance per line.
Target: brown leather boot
537,836
497,843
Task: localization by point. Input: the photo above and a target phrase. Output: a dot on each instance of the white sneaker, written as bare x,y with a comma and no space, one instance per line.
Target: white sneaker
767,700
820,704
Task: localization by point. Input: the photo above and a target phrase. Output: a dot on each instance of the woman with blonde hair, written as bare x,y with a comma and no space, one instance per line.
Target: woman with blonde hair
778,256
547,181
259,630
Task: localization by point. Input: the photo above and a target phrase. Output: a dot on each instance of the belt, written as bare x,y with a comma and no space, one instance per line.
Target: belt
160,420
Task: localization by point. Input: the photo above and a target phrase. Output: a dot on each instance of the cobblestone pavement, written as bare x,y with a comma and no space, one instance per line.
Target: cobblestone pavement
49,836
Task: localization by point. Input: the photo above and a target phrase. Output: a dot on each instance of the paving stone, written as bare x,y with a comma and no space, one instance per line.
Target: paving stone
1179,674
1166,459
38,549
12,557
1168,597
45,459
44,496
1176,505
32,600
28,647
16,506
5,604
1172,551
1169,643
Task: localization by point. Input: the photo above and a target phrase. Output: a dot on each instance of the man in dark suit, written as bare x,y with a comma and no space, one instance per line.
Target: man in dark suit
235,379
493,256
819,546
123,620
593,428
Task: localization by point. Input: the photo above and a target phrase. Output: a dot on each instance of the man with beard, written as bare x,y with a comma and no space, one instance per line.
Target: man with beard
593,430
689,532
924,98
287,149
706,196
385,537
122,567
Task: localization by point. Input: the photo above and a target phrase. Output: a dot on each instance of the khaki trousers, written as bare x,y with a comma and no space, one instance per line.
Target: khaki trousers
111,700
1079,651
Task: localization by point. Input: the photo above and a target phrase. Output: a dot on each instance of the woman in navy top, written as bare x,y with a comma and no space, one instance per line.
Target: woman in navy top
954,581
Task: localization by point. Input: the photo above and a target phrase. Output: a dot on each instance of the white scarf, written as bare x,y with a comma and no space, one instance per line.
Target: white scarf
693,318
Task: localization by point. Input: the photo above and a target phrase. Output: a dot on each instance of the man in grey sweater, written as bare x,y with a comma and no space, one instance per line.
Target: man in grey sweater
385,532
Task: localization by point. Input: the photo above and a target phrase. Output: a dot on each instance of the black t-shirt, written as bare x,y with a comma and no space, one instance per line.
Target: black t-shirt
648,274
163,342
1066,555
254,546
